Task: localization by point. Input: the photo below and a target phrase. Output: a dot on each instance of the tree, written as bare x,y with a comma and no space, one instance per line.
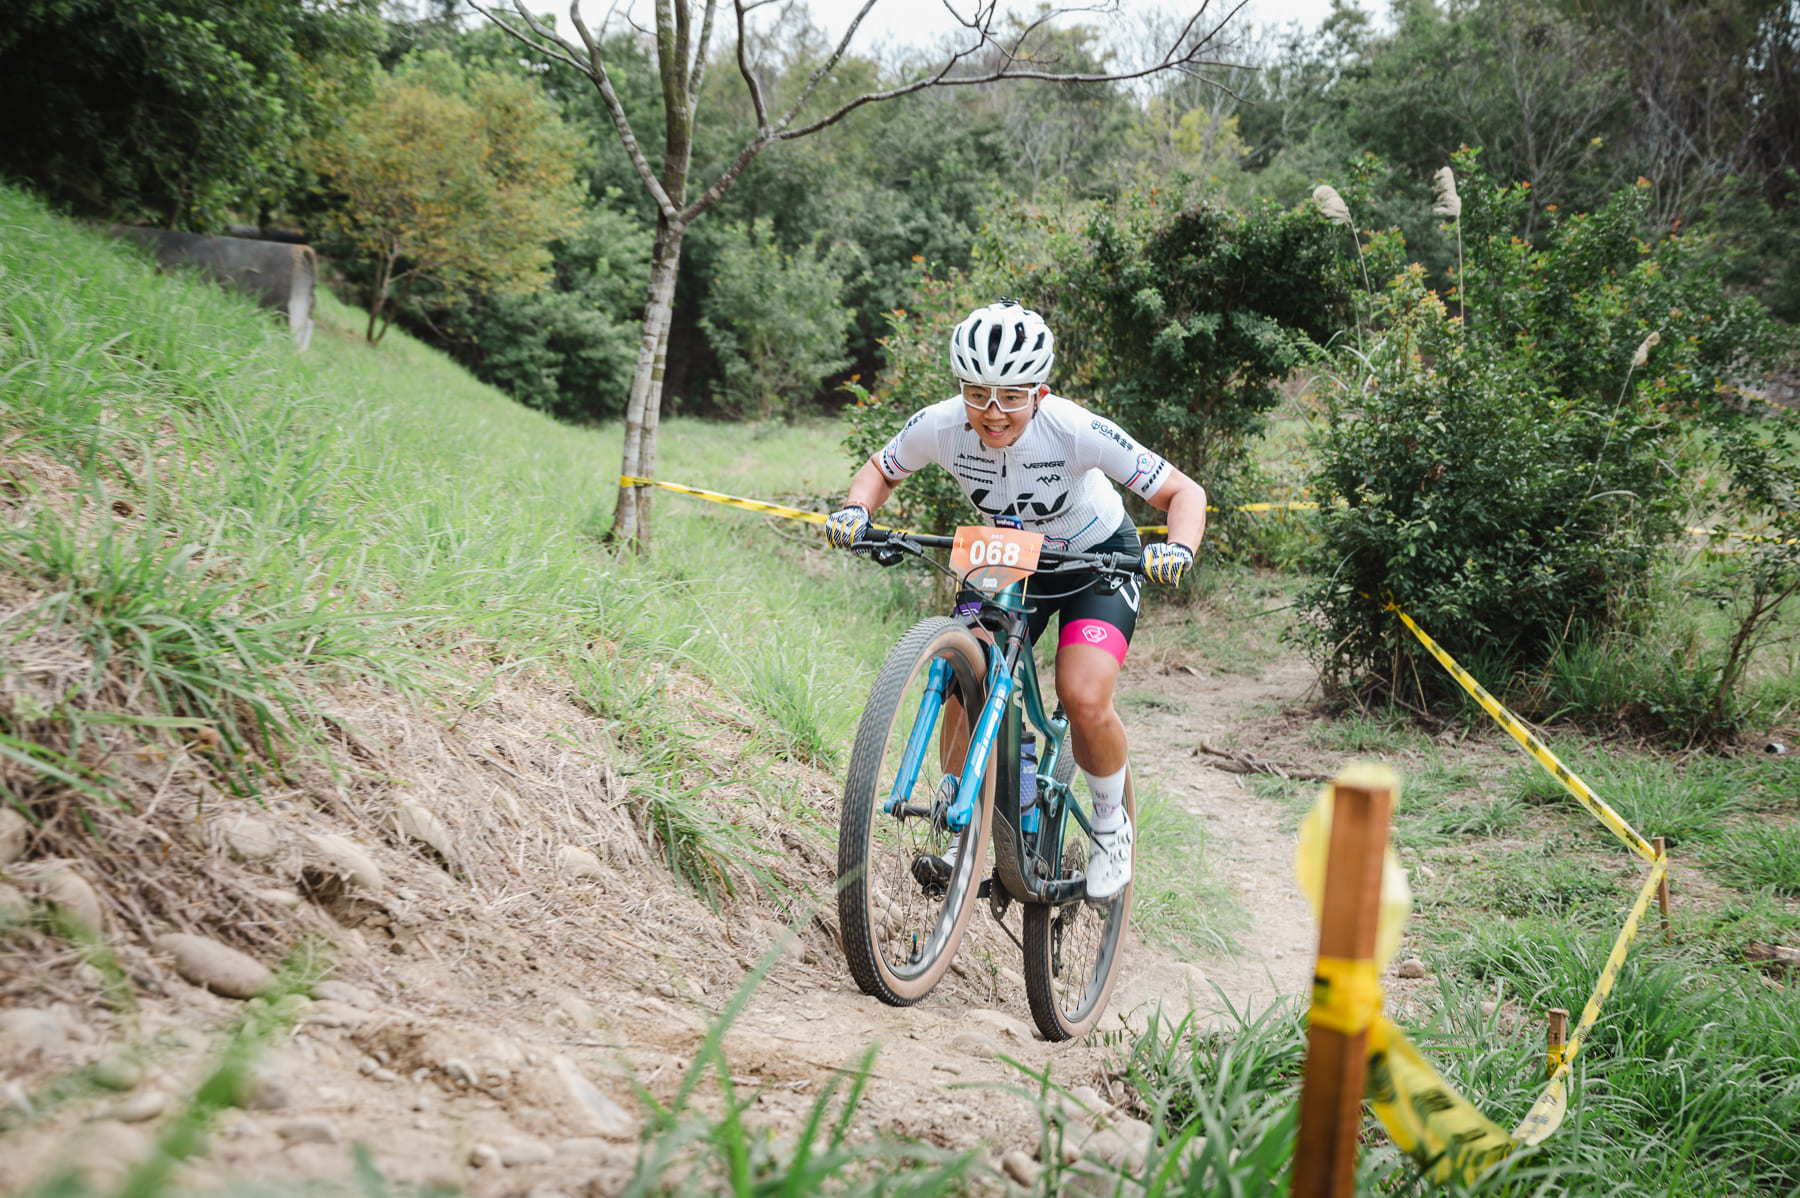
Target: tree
460,177
177,112
683,44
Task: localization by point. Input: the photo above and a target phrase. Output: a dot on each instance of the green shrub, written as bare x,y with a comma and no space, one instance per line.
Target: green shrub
1507,480
1179,318
776,321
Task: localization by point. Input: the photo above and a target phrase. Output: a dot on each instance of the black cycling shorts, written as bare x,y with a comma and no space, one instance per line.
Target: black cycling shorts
1087,616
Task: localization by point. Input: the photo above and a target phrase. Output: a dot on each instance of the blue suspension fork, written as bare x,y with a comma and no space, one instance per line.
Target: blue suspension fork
981,744
937,684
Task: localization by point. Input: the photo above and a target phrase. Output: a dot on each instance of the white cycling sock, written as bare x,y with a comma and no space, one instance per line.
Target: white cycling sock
1108,793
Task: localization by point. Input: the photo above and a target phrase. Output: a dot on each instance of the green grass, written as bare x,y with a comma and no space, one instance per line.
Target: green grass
1687,804
1177,902
1758,855
1519,884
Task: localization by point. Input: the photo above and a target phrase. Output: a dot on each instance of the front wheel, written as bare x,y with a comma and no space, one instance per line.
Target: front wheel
901,913
1072,950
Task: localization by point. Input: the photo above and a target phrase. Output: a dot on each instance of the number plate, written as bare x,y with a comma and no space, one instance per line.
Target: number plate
993,558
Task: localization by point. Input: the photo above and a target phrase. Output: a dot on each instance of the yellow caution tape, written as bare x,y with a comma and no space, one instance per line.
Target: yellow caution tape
1424,1115
1546,1114
1738,536
1555,1058
791,513
748,505
1346,995
1314,846
1532,744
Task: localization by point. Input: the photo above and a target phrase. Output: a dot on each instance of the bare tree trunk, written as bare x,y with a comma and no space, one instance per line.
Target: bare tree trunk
681,67
378,296
643,409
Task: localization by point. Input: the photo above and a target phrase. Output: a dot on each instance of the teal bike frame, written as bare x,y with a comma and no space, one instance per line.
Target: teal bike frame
1027,865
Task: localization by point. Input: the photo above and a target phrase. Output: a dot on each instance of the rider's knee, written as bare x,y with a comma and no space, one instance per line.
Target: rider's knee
1086,703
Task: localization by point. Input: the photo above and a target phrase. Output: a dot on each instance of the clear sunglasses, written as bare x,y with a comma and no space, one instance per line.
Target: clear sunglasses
1007,399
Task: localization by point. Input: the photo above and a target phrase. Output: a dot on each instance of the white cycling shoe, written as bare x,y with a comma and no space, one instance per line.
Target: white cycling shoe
1109,862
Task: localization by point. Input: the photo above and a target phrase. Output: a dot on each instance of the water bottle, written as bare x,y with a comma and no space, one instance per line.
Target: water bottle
1028,811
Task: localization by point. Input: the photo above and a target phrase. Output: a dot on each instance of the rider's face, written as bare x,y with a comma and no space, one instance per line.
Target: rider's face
984,408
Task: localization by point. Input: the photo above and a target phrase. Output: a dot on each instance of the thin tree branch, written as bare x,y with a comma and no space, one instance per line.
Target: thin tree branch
825,67
698,74
595,69
559,50
749,74
1186,64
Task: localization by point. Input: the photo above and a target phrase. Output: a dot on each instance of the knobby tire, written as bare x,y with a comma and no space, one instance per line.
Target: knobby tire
898,940
1072,951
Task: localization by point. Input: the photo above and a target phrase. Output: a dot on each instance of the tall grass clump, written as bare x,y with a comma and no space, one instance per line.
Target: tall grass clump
1176,904
1690,1082
184,552
223,527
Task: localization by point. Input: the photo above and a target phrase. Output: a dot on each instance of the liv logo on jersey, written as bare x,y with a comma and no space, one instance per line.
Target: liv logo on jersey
1093,634
1039,511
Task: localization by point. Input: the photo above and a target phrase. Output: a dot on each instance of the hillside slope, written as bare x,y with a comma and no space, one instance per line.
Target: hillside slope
307,660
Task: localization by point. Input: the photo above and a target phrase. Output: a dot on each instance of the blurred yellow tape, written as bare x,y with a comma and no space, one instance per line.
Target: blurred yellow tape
793,513
748,505
1739,536
1424,1115
1532,744
1346,995
1546,1114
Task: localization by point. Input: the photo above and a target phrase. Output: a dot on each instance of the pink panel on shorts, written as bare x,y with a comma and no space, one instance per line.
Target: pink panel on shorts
1098,633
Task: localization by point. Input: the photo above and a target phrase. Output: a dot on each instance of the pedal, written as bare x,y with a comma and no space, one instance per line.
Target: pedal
986,888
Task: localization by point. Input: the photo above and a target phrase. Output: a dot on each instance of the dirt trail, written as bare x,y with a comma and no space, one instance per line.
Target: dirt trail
495,999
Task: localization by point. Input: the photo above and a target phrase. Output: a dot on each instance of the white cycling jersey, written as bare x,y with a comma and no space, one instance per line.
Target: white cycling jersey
1051,480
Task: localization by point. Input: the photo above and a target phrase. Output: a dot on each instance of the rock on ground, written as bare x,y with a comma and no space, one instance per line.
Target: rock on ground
217,967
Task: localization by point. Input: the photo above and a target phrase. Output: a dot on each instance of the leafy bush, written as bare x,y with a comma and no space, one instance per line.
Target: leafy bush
569,349
776,321
918,374
1178,319
1199,314
178,113
1509,479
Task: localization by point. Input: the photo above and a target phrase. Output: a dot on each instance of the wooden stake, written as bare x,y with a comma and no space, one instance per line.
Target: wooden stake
1337,1063
1559,1037
1662,887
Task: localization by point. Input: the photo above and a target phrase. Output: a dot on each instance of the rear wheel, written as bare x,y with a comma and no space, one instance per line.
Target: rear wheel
902,915
1072,950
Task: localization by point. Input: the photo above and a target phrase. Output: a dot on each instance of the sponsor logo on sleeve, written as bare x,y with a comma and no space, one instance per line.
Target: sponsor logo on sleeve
1150,469
1109,430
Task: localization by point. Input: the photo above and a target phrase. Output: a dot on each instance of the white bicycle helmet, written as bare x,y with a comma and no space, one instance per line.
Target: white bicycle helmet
1003,345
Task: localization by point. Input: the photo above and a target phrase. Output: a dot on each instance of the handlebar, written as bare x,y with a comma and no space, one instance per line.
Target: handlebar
1063,561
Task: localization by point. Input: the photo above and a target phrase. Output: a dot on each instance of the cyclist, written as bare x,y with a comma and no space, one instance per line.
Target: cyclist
1027,458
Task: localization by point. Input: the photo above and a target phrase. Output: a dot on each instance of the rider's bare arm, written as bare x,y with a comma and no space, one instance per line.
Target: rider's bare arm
1181,497
871,488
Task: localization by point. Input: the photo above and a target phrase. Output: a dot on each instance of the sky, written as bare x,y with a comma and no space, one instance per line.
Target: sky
917,21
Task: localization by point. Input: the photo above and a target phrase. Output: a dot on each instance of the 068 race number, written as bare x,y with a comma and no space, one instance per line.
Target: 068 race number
991,558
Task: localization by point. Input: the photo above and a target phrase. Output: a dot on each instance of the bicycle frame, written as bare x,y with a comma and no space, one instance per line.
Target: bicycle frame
1030,871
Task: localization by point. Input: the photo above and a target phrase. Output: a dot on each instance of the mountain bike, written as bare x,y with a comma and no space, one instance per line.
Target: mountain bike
969,681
